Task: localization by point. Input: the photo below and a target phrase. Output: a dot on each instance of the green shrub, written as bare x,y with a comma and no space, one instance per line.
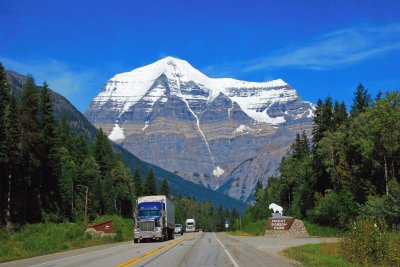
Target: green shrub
333,209
255,228
371,243
324,231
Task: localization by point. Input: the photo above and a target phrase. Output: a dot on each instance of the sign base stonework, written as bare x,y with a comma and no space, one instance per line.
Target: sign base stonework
284,226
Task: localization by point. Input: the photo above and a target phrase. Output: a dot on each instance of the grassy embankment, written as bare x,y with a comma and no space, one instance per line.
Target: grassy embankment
325,254
366,243
40,239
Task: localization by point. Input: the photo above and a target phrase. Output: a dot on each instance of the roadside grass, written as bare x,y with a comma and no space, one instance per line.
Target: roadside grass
322,231
325,254
41,239
255,228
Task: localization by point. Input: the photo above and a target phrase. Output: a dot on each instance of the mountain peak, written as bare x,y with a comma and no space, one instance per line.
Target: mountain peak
189,84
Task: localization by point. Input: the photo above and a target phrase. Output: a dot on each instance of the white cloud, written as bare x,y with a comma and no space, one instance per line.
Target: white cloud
333,50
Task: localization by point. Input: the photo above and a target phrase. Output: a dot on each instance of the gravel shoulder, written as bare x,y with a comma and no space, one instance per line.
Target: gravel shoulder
274,246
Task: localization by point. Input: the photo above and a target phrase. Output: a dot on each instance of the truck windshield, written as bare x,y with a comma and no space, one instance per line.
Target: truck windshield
149,213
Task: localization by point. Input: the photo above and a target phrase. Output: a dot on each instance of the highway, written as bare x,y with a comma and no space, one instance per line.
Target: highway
191,249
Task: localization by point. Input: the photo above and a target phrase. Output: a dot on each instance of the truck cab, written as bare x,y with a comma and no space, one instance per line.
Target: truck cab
190,225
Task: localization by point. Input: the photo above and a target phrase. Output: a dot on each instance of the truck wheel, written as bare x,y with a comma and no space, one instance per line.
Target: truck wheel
166,236
135,240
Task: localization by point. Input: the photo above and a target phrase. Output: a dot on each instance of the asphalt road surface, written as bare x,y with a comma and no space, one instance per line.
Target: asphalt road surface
197,249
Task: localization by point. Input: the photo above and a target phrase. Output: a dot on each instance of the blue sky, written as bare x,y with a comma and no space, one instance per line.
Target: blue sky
321,48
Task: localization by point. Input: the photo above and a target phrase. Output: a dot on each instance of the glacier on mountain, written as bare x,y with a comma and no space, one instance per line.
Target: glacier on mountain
254,98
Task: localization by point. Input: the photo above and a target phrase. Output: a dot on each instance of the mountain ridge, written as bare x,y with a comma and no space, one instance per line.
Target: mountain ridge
170,114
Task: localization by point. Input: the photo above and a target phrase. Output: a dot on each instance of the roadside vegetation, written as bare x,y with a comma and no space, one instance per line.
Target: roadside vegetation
343,181
316,255
322,231
45,238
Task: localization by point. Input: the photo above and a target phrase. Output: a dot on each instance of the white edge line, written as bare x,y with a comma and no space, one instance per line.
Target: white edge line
71,257
229,255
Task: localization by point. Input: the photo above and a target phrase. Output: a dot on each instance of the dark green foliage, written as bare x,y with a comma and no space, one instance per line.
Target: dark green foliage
48,168
31,152
361,101
149,185
4,145
164,187
137,183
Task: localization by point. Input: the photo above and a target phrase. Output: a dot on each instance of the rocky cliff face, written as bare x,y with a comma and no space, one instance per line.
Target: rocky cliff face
222,133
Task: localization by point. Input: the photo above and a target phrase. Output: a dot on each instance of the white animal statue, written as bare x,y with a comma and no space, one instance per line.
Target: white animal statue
276,208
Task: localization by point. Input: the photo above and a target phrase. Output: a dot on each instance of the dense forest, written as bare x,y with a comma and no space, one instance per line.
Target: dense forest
47,169
350,169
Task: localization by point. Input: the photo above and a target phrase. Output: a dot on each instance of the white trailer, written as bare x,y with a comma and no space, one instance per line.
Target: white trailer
154,218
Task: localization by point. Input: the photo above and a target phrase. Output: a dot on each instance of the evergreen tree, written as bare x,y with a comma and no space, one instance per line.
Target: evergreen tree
150,187
258,192
13,136
4,103
317,131
49,167
164,187
361,101
103,152
339,115
31,147
137,183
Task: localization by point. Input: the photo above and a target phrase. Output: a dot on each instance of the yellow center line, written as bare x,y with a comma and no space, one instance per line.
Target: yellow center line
152,252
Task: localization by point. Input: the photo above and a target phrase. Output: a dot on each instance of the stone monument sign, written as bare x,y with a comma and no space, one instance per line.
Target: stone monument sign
284,226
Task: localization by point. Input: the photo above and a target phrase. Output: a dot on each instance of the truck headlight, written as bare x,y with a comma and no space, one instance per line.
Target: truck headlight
158,229
136,229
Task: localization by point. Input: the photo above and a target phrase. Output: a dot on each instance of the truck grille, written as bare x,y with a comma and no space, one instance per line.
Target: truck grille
147,226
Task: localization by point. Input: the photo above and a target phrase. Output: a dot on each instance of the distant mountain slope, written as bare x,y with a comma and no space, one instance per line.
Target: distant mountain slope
179,186
203,129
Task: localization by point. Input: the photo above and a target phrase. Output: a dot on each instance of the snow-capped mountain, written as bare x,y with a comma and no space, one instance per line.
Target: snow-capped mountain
170,114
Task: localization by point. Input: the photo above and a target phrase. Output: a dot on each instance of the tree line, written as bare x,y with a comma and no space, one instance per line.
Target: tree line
349,169
46,168
207,217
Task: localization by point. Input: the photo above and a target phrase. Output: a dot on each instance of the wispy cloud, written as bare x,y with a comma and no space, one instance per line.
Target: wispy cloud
333,50
60,77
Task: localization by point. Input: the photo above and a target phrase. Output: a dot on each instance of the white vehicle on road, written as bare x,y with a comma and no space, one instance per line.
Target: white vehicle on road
178,229
190,225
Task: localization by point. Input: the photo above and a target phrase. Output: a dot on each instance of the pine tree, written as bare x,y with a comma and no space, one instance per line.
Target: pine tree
4,103
339,115
361,101
164,187
137,183
49,167
150,187
31,147
13,136
258,192
103,152
317,131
